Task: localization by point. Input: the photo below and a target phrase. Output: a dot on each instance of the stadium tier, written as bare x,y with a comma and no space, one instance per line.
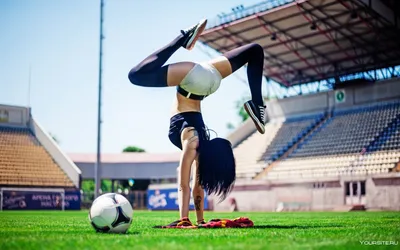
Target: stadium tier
30,158
349,131
358,141
333,150
329,141
24,162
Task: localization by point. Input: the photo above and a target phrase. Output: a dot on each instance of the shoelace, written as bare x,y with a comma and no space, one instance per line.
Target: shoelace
262,112
189,29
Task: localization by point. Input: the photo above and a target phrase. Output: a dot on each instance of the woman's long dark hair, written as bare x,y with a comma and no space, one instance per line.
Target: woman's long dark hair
217,167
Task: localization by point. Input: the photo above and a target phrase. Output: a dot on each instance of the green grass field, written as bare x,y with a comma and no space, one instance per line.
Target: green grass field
71,230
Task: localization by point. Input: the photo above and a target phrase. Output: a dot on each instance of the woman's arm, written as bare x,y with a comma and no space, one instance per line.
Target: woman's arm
198,195
190,142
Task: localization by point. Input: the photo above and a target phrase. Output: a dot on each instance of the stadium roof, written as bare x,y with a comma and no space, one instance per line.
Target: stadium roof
126,158
311,40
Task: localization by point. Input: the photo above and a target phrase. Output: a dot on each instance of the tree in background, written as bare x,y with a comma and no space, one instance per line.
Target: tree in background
88,186
241,112
230,126
131,149
138,184
240,108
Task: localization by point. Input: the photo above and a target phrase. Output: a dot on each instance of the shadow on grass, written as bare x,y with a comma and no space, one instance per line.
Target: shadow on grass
270,227
293,226
282,227
133,233
122,234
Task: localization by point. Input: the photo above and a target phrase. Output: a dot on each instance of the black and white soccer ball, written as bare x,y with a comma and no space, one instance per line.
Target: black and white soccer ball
111,213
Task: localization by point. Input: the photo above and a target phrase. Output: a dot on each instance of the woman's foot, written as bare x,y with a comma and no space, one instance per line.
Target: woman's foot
257,114
181,223
201,222
193,33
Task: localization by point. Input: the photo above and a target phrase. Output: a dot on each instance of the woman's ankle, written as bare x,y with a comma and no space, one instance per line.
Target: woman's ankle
200,221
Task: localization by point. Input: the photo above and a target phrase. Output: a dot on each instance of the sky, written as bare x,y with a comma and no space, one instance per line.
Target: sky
54,46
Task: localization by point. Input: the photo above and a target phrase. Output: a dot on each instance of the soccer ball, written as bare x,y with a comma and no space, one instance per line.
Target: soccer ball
111,213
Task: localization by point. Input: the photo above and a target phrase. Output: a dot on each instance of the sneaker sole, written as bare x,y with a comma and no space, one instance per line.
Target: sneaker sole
197,34
259,126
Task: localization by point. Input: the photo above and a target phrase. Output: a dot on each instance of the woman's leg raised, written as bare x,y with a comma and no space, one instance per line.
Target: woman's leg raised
253,55
151,72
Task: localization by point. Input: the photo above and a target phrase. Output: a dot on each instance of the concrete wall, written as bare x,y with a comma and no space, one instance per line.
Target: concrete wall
296,105
124,171
62,160
327,198
382,192
271,198
385,90
255,200
378,92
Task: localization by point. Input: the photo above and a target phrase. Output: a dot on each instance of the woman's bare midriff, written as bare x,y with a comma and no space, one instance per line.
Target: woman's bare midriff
183,104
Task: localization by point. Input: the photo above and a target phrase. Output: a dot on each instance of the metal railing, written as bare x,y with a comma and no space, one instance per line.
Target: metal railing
240,12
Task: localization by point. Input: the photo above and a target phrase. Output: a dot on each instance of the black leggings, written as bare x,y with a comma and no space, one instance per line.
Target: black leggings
151,72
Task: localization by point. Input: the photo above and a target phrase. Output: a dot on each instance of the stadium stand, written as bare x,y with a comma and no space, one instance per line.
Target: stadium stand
328,153
349,131
360,141
24,162
30,159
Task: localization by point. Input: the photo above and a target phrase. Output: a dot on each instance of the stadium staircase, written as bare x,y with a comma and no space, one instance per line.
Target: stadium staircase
25,162
251,149
291,132
385,138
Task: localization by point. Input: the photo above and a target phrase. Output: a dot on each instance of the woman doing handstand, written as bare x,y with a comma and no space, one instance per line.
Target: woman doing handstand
214,160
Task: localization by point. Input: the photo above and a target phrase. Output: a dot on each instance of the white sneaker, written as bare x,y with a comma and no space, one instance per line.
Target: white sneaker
193,33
